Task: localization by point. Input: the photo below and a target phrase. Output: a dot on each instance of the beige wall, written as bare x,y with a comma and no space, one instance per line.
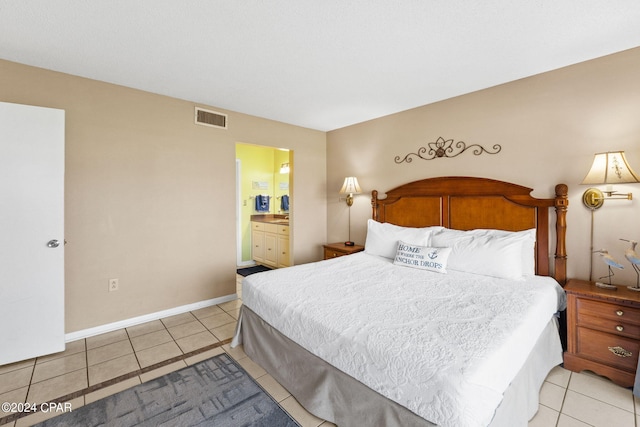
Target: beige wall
150,197
549,127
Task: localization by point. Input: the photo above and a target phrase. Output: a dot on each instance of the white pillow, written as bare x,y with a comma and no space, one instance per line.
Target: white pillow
528,239
382,238
487,252
422,257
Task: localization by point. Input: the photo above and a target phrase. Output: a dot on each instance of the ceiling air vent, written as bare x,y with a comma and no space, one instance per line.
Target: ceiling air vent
211,118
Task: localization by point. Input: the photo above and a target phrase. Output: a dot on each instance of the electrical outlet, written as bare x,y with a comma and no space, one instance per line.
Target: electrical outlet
113,285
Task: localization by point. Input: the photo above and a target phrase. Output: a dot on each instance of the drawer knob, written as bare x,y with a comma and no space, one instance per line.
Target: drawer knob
619,312
620,352
619,328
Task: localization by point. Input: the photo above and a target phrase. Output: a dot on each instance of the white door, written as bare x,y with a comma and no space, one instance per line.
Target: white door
31,231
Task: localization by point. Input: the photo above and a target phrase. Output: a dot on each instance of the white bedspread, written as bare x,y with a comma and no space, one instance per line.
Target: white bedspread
445,346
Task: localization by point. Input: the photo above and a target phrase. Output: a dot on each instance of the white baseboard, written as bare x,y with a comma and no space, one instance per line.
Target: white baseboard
247,264
90,332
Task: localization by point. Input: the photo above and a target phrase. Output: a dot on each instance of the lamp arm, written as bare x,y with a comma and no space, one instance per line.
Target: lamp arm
594,198
614,195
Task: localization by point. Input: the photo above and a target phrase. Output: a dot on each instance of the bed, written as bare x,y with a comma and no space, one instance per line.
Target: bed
448,318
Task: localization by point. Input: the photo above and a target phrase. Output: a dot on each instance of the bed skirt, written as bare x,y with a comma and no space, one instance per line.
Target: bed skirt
332,395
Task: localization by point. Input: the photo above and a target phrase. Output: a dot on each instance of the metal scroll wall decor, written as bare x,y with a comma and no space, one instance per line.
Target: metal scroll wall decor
446,148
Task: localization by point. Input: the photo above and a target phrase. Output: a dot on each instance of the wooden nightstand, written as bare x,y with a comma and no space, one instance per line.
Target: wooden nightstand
333,250
603,331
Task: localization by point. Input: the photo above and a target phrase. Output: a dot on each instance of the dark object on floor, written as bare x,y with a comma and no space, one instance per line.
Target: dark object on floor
213,392
251,270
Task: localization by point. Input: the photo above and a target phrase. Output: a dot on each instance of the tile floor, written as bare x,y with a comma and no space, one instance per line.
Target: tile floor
95,367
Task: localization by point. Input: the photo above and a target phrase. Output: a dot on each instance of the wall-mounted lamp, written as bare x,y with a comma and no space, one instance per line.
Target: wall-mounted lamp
607,168
350,187
284,168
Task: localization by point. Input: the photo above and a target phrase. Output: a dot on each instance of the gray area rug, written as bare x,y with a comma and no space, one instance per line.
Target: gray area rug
215,392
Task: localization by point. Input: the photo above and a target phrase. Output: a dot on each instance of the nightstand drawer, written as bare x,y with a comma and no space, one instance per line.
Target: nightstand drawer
613,326
334,250
608,310
331,253
608,348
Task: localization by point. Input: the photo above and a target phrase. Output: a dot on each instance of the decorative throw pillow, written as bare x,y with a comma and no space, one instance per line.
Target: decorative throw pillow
382,238
422,257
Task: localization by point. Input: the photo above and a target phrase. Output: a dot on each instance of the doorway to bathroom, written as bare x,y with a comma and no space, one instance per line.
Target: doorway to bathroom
264,177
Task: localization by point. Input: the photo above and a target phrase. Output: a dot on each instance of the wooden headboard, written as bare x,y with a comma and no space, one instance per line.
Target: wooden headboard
466,203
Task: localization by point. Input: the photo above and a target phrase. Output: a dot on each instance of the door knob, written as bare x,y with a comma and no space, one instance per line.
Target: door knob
53,243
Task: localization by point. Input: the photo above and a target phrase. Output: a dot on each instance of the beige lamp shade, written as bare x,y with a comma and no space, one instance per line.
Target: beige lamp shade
610,168
351,186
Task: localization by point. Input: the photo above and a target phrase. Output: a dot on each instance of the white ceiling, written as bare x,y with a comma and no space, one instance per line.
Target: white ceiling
321,64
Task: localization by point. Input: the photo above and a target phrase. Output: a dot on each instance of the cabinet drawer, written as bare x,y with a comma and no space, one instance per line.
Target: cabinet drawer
614,326
598,346
257,226
270,228
283,230
608,310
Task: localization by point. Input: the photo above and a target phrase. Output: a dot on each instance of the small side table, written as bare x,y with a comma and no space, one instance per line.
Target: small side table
333,250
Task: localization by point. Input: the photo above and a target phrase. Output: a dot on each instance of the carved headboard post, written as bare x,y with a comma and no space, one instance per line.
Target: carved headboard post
561,205
374,204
